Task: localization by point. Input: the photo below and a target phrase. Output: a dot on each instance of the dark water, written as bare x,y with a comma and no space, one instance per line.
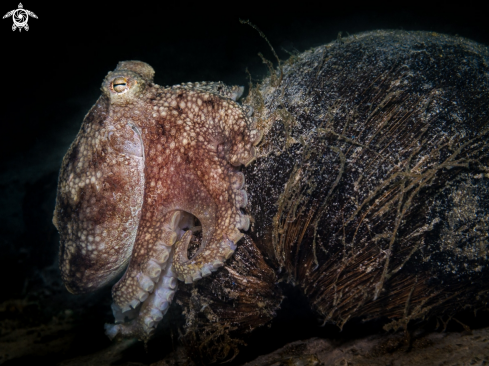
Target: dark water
51,76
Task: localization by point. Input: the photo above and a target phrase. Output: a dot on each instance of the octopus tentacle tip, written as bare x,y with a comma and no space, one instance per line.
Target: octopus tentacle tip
111,330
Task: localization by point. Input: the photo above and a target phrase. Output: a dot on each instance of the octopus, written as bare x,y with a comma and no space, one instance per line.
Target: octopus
150,168
367,169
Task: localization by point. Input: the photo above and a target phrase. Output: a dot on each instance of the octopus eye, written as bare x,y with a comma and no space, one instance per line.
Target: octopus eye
119,84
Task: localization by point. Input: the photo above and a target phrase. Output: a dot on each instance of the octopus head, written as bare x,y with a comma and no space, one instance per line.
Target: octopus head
101,186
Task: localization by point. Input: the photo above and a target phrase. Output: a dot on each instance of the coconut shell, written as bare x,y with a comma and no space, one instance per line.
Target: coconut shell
370,190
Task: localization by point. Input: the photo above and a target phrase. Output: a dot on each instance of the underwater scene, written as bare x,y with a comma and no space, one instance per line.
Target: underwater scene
296,189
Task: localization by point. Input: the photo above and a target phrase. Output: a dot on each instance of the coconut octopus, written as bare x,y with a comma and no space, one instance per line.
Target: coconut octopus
368,190
147,162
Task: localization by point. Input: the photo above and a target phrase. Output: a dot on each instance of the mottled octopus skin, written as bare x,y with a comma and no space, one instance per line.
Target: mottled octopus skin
147,161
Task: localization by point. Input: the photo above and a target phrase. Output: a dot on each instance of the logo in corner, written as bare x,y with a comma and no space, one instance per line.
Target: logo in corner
20,17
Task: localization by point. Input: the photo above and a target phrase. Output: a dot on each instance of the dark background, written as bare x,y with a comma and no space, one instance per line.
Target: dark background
69,49
51,76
